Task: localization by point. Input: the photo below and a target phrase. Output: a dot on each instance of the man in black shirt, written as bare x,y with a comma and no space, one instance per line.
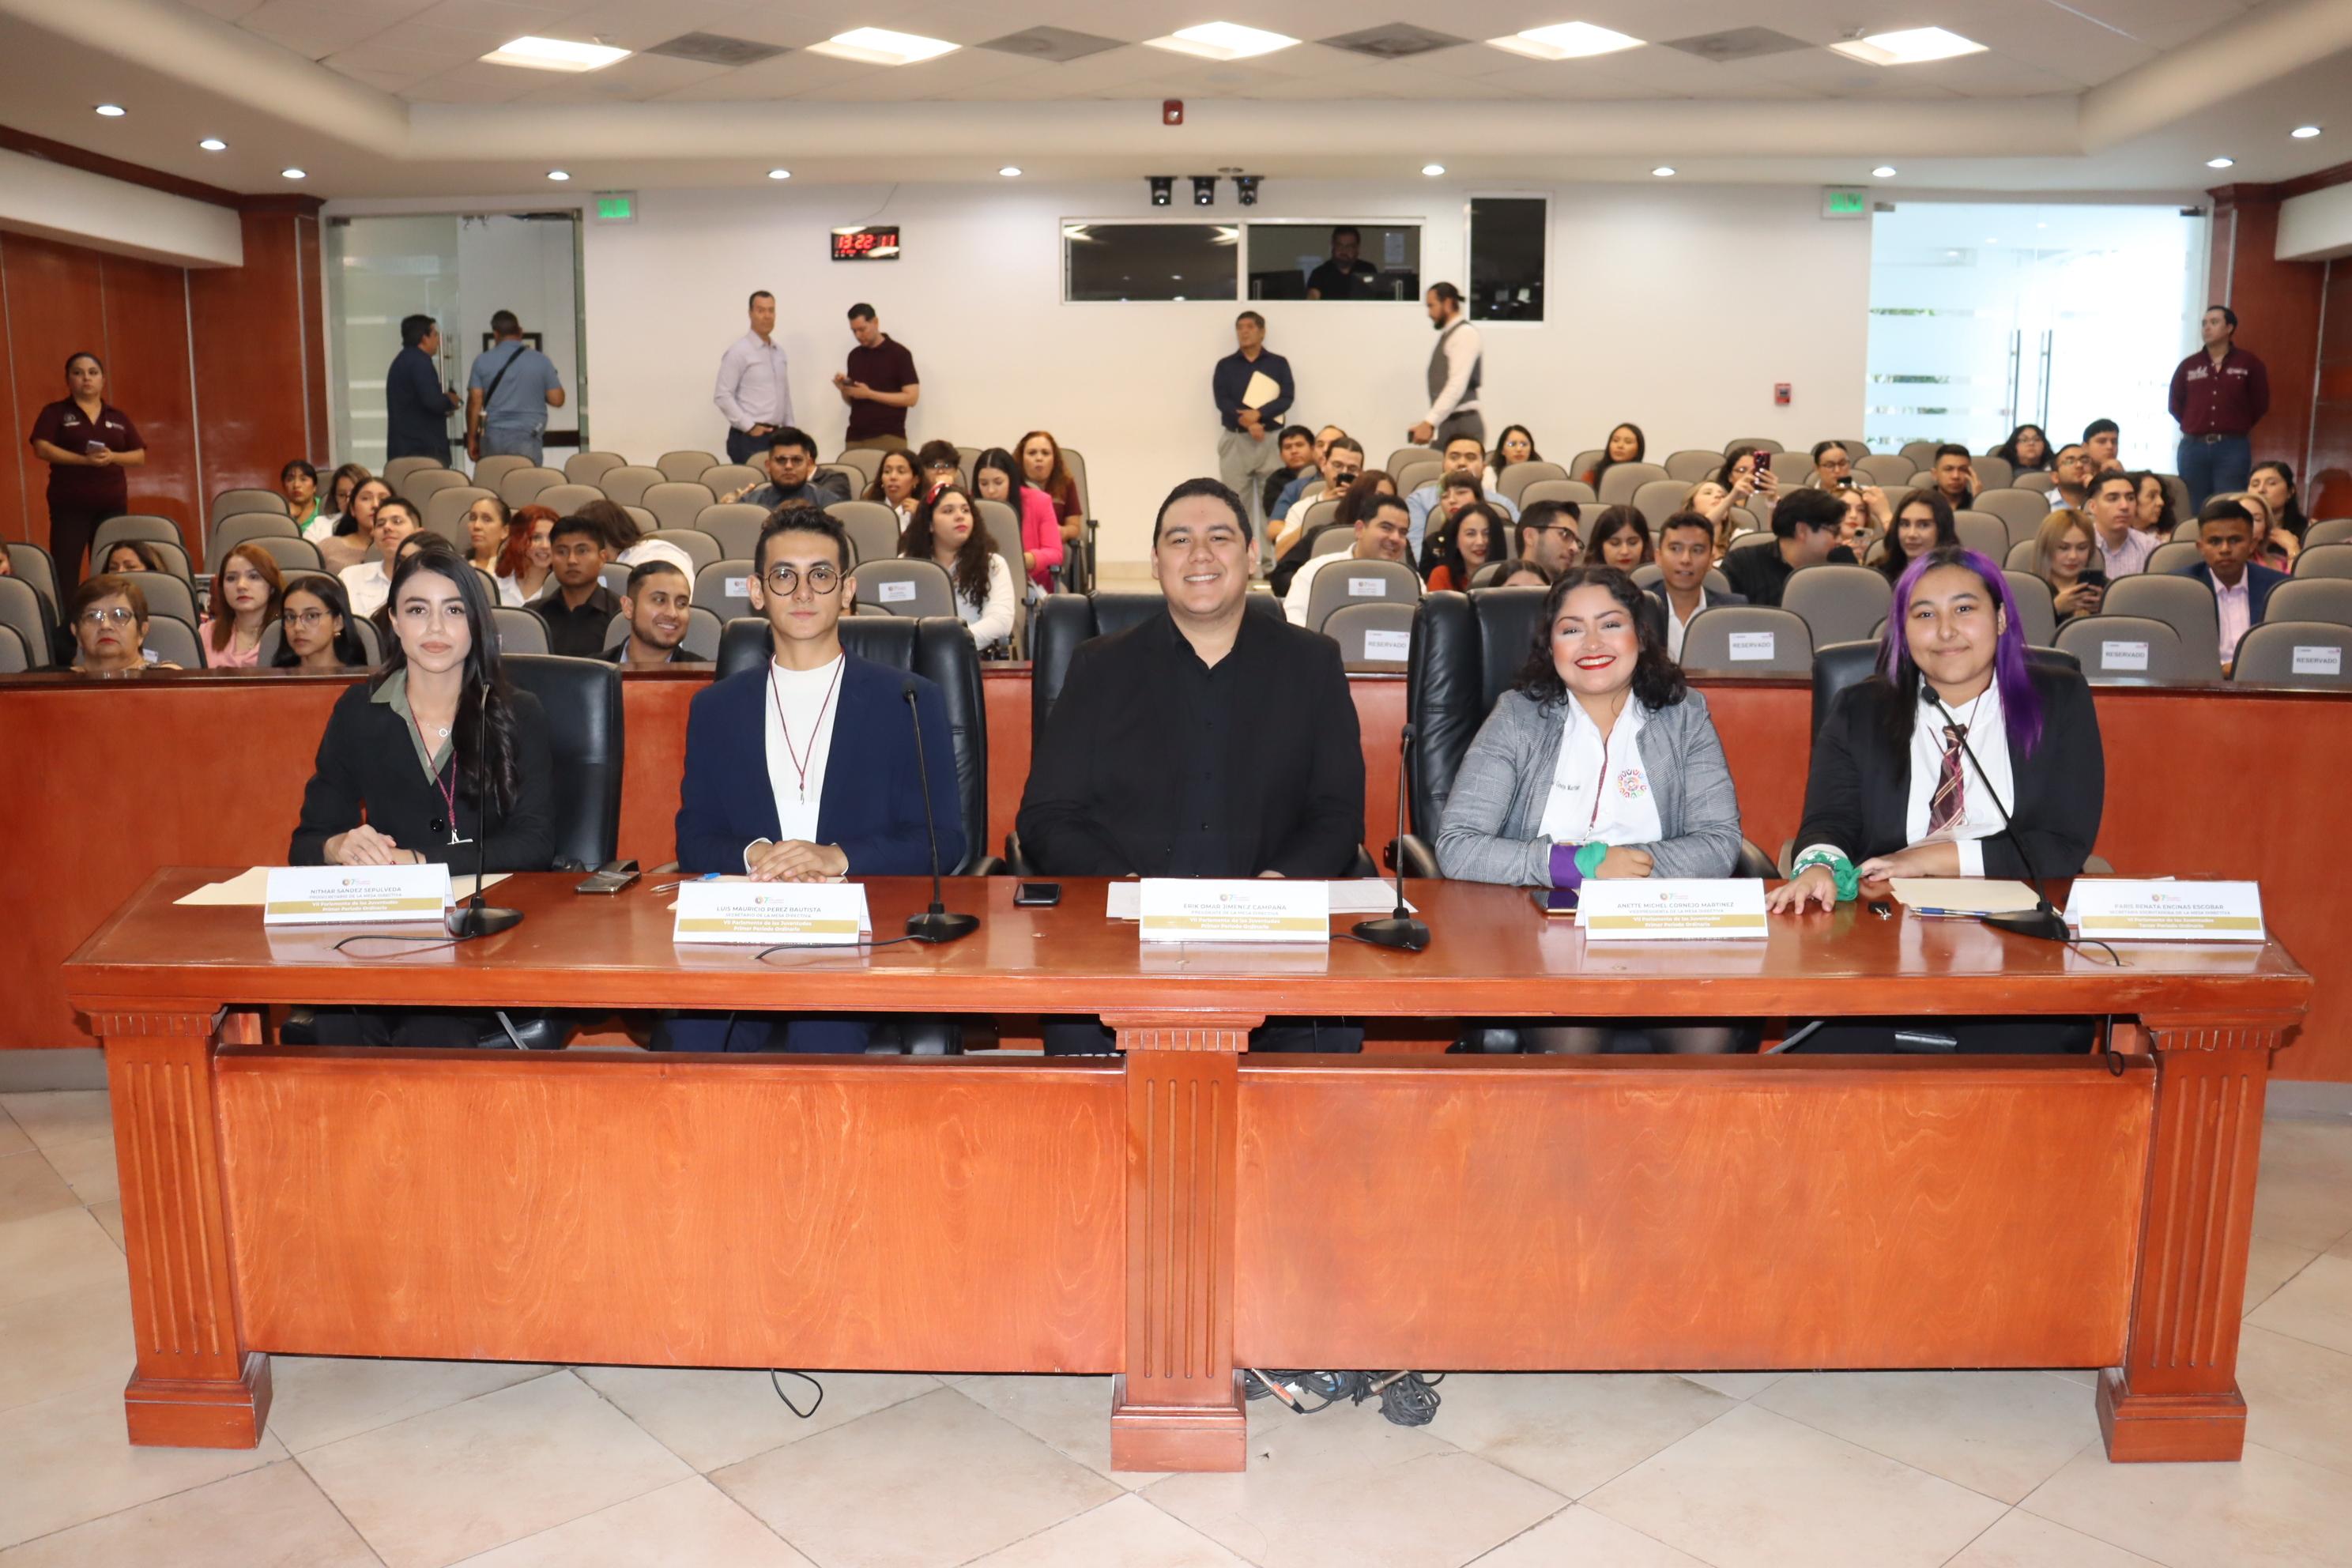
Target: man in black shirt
1346,276
660,607
578,608
792,476
1804,534
416,406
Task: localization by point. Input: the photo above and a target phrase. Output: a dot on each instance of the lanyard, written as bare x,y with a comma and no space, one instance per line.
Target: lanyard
449,792
801,766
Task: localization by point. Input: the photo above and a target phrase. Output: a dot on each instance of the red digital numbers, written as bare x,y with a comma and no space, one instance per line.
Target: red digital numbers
866,243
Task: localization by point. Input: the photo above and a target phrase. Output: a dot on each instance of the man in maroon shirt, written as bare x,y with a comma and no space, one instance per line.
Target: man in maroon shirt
879,386
2218,394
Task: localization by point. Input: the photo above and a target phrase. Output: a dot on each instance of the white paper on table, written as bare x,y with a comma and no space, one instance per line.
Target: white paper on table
1353,896
1964,895
249,886
1261,390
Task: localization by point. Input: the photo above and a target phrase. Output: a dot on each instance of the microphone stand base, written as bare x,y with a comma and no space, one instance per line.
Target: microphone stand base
1395,930
478,921
938,925
2044,925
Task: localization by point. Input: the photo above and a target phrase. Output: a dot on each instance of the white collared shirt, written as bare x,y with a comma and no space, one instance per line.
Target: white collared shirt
1987,735
1677,626
1600,791
367,585
809,701
2237,611
753,387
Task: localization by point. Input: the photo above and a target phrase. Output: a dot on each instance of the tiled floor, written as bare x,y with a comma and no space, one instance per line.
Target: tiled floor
417,1464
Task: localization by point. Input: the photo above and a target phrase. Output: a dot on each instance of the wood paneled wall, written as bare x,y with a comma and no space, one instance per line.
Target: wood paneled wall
2328,492
2278,305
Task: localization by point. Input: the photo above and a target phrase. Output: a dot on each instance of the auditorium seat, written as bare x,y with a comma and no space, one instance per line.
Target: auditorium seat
866,462
587,747
1772,642
166,594
726,479
1840,665
31,562
1618,485
1003,526
1359,582
1519,476
294,555
643,517
1693,464
1854,448
1075,461
23,612
1399,456
2325,561
1317,514
1983,532
2184,604
1486,576
676,503
1766,442
491,472
173,641
15,657
2327,599
855,480
872,526
1919,454
1585,463
1751,538
1575,491
1421,470
615,577
522,486
2038,480
445,512
1651,571
1333,542
1374,637
2024,511
1993,473
2021,556
1656,501
519,631
2037,607
590,467
734,524
2308,653
628,483
687,464
966,457
396,472
230,532
701,549
134,526
231,502
2335,531
1066,620
1888,473
424,484
701,639
722,588
566,500
2173,556
2176,489
917,588
2130,651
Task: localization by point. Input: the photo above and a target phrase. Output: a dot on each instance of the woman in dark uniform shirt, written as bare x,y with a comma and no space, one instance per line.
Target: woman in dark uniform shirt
86,442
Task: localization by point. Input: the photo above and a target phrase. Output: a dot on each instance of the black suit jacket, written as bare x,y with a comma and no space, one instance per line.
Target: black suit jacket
1858,795
367,770
1103,791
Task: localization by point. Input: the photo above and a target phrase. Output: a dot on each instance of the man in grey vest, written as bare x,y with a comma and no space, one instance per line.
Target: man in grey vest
1454,368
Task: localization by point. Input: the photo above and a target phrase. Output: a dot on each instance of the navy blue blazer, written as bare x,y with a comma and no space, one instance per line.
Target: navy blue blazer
873,803
2259,581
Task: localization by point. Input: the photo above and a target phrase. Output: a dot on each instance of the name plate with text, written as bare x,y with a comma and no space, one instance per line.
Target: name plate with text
2119,909
764,914
353,895
1272,909
1646,909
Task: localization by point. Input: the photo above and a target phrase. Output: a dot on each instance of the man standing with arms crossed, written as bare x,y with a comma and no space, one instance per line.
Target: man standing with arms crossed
1454,368
752,391
1246,450
2219,395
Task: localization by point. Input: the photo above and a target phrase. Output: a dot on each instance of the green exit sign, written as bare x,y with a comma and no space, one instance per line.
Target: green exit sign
616,207
1845,203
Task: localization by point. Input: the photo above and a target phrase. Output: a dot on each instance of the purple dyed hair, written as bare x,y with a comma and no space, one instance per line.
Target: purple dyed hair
2021,708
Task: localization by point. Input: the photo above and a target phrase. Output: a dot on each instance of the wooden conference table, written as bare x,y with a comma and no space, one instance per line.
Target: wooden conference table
1184,1210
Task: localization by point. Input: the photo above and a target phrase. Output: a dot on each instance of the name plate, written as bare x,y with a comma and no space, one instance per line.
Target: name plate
1748,645
895,593
739,587
763,914
1648,909
2117,909
353,895
2122,656
2321,659
1397,646
1368,587
1272,909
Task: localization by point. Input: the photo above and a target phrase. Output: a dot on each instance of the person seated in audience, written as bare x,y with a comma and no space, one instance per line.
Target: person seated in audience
996,475
1297,445
2065,556
1619,537
1382,528
368,583
2274,482
2027,450
1956,476
1626,444
1342,461
658,606
792,474
1517,444
1712,503
354,533
2113,509
2153,517
1352,500
1474,538
1527,575
1923,521
1545,535
1804,534
1892,792
315,633
1832,466
336,503
1686,553
1042,465
579,607
1600,762
1208,742
535,525
245,599
804,769
2101,438
625,542
1457,492
2070,475
1748,475
299,483
490,534
939,463
1867,512
108,613
1463,455
947,531
1301,478
898,486
2242,585
132,556
2273,546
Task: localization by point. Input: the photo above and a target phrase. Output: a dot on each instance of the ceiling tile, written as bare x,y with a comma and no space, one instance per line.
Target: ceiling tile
785,77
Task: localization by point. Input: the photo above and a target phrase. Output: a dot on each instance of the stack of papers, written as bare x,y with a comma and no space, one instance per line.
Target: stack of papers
251,886
1963,897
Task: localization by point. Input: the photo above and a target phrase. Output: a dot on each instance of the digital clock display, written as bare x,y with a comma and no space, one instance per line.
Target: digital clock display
867,242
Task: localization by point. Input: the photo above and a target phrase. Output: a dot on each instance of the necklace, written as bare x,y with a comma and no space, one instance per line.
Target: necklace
800,763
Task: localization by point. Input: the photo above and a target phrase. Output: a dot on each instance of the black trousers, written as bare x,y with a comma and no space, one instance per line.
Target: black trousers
741,445
446,1028
816,1036
71,528
1968,1037
1089,1037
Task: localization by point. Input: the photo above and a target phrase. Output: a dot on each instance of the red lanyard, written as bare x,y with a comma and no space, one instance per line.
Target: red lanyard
449,790
801,766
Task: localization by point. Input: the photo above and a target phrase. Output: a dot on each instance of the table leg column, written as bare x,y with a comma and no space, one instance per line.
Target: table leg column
2176,1396
198,1385
1178,1404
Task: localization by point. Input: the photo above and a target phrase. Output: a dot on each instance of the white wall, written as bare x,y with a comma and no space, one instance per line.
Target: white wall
2316,225
1676,308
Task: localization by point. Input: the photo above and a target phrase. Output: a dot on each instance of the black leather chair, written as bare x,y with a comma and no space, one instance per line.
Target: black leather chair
1838,664
587,742
937,649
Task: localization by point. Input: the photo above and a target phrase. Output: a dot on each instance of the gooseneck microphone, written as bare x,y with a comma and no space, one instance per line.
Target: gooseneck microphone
2042,922
1398,929
474,920
934,924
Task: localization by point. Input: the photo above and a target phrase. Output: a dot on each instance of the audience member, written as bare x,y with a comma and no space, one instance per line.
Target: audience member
416,406
1686,553
354,533
2027,450
1345,274
244,601
2070,477
1626,444
2065,556
1749,477
2101,438
1456,366
109,616
298,481
1619,537
937,463
879,386
368,583
532,550
86,442
578,608
659,607
996,475
1456,494
1474,537
2113,508
1463,455
1517,444
2219,395
1956,476
1867,510
1343,461
1713,502
791,458
754,392
132,556
947,531
490,534
1832,466
2242,585
1303,479
1358,494
1804,531
1525,574
1546,535
1923,521
1246,451
1298,457
315,633
898,484
2273,481
508,394
2273,546
2153,514
1381,529
336,502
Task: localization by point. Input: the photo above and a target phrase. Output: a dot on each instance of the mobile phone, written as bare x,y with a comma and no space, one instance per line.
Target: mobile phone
1037,895
1763,461
1555,901
609,877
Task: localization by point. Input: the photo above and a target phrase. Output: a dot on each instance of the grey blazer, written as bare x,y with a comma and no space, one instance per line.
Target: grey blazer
1492,818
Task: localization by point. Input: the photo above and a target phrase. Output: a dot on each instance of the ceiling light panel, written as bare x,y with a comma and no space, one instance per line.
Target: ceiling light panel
1222,41
1909,47
881,47
1566,41
553,55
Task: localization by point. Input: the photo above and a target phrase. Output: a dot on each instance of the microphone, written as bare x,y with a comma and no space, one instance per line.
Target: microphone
2042,922
1398,929
934,924
474,920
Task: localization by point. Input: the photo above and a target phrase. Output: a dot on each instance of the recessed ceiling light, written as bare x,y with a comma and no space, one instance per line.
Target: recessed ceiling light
213,144
553,55
1566,41
1011,171
780,173
295,173
1883,171
1909,47
1433,170
2221,163
558,174
112,110
2304,132
1663,171
1222,41
881,47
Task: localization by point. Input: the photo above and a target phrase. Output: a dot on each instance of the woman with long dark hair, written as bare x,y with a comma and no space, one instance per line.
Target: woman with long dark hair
898,484
354,533
86,442
2154,516
947,531
334,501
2026,451
1475,536
299,483
314,629
1626,444
491,535
996,474
1923,521
1517,444
2273,481
1619,537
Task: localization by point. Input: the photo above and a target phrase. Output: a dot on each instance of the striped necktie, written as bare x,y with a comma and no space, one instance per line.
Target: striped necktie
1950,802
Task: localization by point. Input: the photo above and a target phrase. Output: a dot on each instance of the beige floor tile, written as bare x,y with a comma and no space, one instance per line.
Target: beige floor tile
2269,1265
2316,1305
65,1461
436,1488
1570,1432
60,1116
2303,1195
1733,1384
1127,1532
50,1344
2298,1399
109,1219
690,1524
29,1187
324,1399
1998,1433
1072,1414
2024,1541
12,1137
2080,1376
87,1167
712,1418
1757,1489
931,1481
64,1249
2268,1510
1348,1489
1584,1539
274,1516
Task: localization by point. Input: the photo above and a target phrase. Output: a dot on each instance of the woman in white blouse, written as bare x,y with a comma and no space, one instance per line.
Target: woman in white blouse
946,529
490,532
